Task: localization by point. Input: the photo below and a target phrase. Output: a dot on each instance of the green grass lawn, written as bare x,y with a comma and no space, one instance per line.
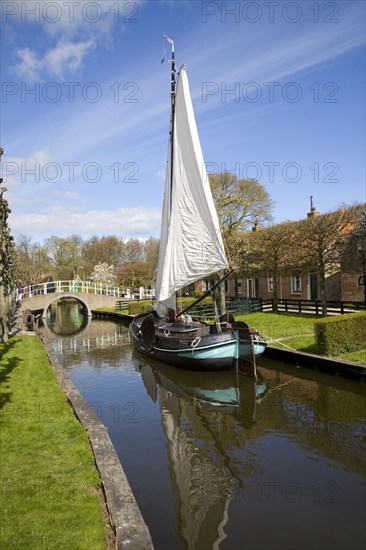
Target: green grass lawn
358,356
49,482
280,325
293,330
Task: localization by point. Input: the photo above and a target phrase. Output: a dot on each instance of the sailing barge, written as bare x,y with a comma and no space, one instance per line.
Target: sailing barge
191,249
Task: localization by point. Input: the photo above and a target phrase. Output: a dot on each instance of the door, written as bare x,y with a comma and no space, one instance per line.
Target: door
313,286
250,288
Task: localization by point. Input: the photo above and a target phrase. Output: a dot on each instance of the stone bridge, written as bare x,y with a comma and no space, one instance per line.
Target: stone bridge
89,301
39,296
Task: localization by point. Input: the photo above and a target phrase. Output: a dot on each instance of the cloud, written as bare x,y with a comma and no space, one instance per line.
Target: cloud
15,170
58,220
29,65
73,196
60,18
301,49
65,58
38,168
78,28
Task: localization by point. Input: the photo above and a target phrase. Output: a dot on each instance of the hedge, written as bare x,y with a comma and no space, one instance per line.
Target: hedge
135,308
341,334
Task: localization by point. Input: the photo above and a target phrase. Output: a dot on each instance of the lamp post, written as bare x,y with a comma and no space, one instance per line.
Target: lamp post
361,247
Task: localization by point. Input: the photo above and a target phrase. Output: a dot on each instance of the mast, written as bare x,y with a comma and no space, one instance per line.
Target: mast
172,122
172,126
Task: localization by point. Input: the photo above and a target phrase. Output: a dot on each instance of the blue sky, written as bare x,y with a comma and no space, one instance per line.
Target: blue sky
278,90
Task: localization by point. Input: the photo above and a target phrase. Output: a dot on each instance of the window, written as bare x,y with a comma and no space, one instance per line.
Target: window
270,284
296,283
240,290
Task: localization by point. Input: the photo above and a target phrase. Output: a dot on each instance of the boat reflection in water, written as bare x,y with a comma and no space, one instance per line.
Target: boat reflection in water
199,413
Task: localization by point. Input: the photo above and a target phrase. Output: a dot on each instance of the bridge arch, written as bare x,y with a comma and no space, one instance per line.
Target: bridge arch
86,308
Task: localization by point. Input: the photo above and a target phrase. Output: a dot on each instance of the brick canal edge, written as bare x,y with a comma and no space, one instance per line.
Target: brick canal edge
125,517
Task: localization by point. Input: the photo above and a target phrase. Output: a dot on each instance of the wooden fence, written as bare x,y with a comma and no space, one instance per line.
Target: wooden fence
252,305
313,307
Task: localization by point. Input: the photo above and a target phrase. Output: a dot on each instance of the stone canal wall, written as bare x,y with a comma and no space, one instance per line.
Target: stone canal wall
331,365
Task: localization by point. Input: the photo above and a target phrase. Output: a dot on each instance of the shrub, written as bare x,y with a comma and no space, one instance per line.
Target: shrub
341,334
185,302
135,308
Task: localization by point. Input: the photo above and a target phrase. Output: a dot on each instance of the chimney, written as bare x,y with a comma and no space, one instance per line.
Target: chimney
313,211
256,226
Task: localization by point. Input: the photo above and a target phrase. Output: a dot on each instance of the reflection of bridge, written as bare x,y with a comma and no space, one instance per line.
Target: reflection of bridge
40,296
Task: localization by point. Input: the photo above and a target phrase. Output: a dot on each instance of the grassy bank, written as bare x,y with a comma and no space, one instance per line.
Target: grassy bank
293,330
48,478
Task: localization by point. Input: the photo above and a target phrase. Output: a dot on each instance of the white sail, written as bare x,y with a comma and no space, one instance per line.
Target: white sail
164,234
191,244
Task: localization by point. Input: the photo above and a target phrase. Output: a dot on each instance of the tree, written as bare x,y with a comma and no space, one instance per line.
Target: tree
134,275
24,257
134,251
360,229
108,249
239,204
7,266
64,256
271,251
322,240
103,273
151,251
32,259
151,254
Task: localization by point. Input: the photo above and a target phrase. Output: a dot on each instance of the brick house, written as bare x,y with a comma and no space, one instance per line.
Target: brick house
341,283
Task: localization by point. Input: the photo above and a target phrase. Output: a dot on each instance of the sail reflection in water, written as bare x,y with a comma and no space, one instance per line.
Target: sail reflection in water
215,459
202,472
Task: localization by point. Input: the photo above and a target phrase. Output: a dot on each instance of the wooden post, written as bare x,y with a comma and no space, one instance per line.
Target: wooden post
248,365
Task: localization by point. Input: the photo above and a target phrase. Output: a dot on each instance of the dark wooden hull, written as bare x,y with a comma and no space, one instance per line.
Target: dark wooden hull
193,345
190,346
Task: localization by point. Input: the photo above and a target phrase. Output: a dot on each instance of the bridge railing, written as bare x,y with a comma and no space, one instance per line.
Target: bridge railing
88,287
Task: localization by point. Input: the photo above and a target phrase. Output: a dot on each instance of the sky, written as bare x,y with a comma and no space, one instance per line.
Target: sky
278,90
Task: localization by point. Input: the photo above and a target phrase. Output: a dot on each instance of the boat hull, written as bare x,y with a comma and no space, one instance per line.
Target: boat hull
193,346
245,348
217,357
206,357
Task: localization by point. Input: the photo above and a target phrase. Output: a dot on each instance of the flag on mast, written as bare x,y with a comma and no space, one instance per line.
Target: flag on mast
166,39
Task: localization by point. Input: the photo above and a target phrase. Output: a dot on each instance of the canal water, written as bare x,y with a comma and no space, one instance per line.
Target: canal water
216,460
